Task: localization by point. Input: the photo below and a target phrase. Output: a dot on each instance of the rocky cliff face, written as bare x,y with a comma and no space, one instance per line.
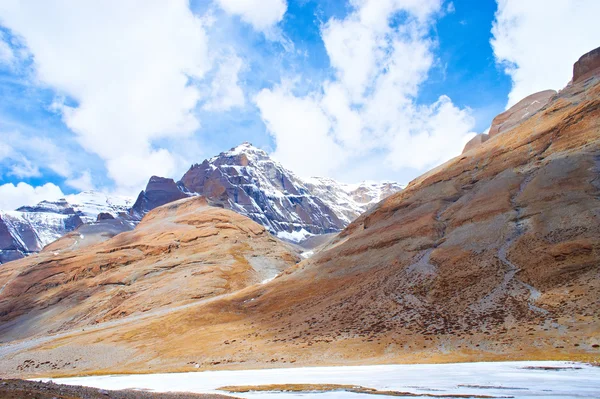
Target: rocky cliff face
30,228
159,191
491,256
587,66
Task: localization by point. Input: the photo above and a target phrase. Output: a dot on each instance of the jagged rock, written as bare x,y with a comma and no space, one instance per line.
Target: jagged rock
587,66
476,142
159,191
104,216
520,112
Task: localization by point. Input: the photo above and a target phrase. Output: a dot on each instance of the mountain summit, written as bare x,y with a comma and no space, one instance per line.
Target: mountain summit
245,179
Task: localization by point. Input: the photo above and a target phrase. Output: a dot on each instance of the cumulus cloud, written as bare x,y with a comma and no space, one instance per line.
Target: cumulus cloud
12,197
261,14
127,85
368,112
538,41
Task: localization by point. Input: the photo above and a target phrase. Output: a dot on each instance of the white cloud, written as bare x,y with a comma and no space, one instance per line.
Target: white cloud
140,167
24,168
300,129
28,154
7,55
368,113
12,197
83,182
261,14
225,92
5,151
538,41
127,65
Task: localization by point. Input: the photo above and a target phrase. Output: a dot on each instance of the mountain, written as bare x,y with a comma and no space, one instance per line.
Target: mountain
29,229
178,254
493,255
245,179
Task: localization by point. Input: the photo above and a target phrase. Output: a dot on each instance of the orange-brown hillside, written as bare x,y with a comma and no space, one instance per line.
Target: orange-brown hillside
180,253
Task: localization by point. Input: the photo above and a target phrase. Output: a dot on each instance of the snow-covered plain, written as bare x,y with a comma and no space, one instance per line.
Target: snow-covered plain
519,380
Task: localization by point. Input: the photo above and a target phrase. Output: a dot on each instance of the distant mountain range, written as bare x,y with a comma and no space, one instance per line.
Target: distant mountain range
244,179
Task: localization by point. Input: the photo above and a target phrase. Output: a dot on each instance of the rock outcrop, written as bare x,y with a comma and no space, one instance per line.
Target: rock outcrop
520,112
587,66
159,191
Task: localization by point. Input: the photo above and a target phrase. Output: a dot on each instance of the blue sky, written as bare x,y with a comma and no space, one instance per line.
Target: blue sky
103,94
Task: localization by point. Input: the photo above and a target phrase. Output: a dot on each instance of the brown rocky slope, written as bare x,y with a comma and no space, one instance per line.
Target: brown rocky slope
494,255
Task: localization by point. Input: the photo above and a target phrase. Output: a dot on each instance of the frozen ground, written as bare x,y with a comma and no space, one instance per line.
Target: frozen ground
503,379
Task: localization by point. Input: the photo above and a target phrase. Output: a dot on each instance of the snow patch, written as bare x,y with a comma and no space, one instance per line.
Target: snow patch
294,236
517,380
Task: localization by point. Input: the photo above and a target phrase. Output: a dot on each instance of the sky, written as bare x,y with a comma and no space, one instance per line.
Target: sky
103,94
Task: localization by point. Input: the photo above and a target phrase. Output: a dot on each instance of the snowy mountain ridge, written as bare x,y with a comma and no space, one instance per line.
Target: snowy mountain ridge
89,204
30,228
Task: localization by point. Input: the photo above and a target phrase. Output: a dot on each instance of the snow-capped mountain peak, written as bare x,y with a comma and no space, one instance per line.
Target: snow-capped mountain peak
245,179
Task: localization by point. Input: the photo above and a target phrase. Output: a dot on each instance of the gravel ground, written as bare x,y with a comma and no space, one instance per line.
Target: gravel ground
22,389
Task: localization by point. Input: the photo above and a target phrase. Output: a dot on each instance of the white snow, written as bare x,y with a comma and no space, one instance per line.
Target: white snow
294,236
91,203
350,200
46,226
501,379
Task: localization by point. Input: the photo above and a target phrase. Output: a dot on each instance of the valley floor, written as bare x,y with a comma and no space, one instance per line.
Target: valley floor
499,379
